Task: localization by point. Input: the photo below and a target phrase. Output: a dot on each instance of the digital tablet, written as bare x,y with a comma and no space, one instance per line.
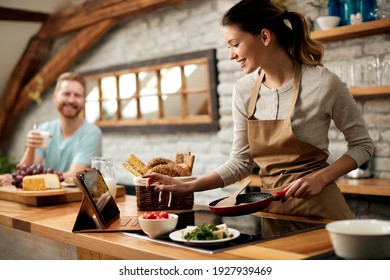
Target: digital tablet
103,205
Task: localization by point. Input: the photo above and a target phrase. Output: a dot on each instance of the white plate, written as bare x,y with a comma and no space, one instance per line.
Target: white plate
178,236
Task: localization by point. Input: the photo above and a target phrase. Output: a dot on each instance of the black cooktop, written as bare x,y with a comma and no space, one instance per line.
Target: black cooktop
253,229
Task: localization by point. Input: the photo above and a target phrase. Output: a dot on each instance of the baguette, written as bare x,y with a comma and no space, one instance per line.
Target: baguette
135,166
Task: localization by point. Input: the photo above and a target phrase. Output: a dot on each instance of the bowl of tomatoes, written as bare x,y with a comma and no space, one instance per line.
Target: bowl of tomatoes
158,224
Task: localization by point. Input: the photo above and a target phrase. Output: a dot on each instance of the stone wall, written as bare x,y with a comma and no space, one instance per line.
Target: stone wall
193,26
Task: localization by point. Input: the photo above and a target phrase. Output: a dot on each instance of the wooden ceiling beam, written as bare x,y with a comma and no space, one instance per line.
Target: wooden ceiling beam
75,48
94,18
22,15
36,54
65,58
90,12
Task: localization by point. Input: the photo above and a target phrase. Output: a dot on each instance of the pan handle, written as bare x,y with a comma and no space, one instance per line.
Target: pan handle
279,195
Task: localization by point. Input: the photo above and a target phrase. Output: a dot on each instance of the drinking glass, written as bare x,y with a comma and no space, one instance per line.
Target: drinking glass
45,134
106,167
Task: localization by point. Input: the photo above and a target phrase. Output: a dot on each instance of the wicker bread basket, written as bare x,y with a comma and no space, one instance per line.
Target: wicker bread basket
148,199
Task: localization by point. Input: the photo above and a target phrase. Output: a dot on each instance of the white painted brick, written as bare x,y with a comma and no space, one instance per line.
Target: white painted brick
377,120
382,164
382,149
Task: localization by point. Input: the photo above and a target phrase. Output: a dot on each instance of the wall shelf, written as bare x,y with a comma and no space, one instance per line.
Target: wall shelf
353,31
370,91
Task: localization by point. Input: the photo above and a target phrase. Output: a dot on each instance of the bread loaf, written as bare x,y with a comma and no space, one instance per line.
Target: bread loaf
41,182
181,168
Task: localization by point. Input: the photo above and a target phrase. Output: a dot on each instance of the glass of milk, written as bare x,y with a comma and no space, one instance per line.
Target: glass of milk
46,135
106,167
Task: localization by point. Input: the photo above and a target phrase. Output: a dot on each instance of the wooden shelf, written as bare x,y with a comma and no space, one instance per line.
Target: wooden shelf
370,91
353,31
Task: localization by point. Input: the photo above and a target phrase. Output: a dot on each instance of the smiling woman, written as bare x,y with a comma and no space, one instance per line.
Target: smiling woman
169,92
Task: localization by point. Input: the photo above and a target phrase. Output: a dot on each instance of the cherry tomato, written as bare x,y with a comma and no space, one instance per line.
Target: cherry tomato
164,215
156,215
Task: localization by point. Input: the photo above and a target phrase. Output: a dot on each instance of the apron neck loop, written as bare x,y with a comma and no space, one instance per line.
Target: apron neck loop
257,86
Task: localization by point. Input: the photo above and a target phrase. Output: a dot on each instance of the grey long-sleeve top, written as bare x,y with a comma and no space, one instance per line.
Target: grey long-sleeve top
323,97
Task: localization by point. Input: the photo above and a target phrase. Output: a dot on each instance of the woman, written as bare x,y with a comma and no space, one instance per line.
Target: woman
282,110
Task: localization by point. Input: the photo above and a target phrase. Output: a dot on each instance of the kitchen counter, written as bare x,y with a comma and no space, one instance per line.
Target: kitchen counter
370,186
30,230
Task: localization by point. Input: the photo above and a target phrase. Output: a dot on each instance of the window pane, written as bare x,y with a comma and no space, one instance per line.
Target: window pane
92,91
148,83
196,76
170,80
149,107
92,113
129,109
127,85
198,104
109,109
172,105
108,86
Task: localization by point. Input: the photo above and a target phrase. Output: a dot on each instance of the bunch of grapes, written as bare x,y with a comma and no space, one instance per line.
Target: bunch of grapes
35,169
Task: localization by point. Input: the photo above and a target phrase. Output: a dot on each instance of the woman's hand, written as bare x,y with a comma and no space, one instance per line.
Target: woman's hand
166,183
305,187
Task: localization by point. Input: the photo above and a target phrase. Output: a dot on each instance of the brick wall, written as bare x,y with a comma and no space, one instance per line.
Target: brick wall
196,26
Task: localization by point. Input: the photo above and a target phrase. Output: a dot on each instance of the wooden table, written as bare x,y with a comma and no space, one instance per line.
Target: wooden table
53,224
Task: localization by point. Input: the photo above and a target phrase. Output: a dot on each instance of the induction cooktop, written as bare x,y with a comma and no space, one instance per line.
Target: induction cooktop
252,228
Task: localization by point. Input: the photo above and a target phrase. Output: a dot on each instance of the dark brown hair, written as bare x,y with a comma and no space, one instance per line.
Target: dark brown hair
254,15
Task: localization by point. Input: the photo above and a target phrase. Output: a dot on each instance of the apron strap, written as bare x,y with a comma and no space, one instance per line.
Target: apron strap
297,84
255,95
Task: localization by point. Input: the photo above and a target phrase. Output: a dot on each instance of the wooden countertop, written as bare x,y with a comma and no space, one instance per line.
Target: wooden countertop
56,223
371,186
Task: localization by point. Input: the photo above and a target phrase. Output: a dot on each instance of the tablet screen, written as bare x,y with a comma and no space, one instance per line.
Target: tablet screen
98,191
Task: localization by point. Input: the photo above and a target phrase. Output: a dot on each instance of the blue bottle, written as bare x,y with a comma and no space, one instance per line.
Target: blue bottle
348,7
334,8
367,8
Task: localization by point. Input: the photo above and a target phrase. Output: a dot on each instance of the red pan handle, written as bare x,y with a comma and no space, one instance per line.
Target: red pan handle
279,195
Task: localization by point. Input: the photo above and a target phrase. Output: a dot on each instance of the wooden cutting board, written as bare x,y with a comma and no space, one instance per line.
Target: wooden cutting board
47,197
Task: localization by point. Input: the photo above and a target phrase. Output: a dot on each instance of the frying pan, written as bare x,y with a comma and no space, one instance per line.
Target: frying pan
247,203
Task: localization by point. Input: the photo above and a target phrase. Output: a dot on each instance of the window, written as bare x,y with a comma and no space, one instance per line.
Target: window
174,93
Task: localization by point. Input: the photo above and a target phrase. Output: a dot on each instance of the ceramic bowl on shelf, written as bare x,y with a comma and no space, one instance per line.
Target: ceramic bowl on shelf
328,22
155,228
360,238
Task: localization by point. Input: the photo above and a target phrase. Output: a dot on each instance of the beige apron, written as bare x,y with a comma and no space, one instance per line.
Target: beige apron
283,158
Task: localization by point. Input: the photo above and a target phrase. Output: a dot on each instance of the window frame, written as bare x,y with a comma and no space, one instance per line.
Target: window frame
207,122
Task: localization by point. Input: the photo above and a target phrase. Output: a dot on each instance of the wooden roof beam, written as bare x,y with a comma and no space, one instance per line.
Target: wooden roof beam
91,12
22,15
75,48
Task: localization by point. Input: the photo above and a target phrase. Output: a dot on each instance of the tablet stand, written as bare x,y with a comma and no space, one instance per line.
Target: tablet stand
85,221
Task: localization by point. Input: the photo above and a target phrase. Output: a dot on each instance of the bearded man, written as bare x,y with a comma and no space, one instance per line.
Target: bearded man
73,140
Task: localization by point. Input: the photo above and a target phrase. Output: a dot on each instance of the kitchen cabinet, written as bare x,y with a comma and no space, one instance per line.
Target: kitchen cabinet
355,31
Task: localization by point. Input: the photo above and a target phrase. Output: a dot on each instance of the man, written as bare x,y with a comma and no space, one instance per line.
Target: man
73,140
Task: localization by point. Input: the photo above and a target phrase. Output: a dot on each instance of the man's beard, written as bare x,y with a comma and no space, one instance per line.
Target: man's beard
70,114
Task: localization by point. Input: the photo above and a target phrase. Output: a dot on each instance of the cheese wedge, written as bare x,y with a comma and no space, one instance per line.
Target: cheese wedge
41,182
221,231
